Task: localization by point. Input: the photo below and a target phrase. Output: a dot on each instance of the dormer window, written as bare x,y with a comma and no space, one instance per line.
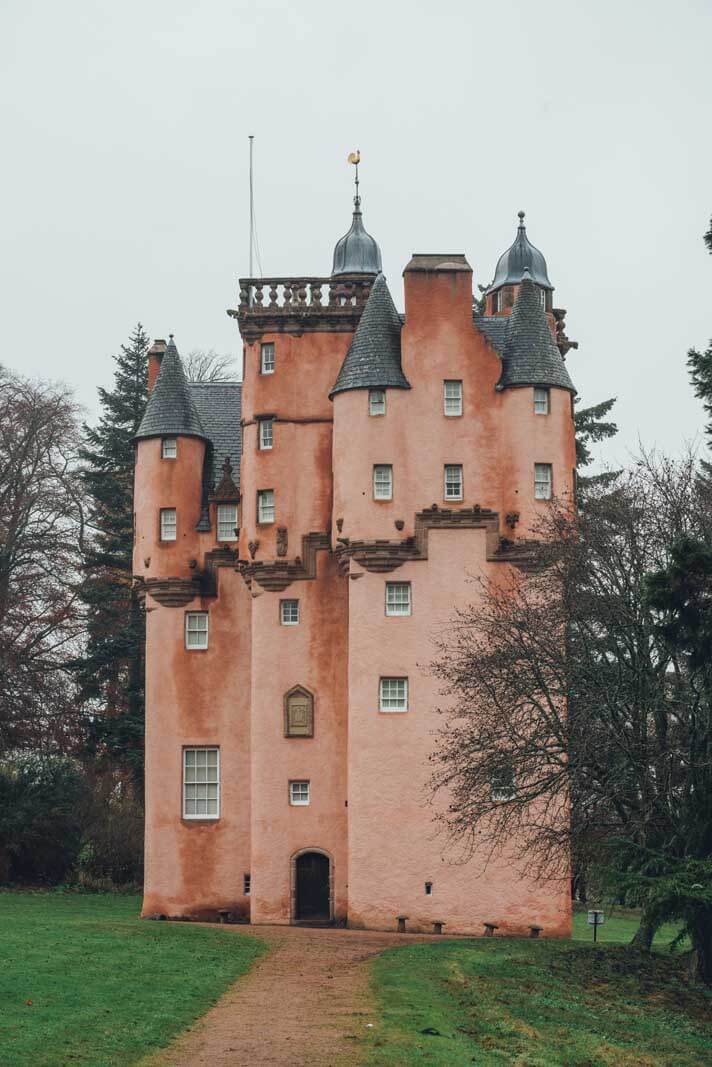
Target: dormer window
169,448
227,522
377,402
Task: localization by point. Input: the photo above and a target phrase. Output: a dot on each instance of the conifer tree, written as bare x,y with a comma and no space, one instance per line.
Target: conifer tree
700,370
111,674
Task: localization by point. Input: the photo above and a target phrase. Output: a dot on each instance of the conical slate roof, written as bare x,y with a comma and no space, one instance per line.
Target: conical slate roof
530,355
356,252
373,360
521,256
170,410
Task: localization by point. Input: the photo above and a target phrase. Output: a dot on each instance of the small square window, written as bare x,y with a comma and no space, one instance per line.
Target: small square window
201,783
541,401
169,447
398,598
299,793
267,358
169,523
265,505
227,522
503,787
196,629
452,397
377,402
394,694
383,481
266,433
542,481
289,612
453,481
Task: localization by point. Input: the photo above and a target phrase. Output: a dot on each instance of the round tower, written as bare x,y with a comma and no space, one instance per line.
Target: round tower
169,474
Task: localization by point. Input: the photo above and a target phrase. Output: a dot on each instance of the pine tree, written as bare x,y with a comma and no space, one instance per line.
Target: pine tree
700,370
111,674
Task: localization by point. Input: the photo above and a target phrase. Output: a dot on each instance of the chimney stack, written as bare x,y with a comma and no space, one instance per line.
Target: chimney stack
155,356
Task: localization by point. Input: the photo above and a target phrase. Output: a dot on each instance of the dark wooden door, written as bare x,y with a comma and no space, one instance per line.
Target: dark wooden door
313,886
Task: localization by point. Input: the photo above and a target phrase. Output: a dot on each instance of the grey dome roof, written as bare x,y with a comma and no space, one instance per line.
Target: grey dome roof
373,360
356,252
521,256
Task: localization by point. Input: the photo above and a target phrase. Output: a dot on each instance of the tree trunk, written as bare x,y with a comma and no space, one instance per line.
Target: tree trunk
701,935
643,936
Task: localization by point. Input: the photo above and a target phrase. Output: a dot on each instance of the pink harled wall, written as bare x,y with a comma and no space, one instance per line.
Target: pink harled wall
196,866
394,843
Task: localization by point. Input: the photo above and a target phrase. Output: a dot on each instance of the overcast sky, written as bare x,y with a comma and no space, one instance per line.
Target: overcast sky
124,176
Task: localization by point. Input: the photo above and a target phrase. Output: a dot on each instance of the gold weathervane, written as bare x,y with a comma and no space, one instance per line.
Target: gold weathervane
354,157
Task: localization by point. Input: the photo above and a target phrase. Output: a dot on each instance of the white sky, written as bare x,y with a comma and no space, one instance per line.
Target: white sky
124,178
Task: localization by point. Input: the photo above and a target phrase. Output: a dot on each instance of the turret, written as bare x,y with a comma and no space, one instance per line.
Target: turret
367,396
356,252
170,459
538,446
521,256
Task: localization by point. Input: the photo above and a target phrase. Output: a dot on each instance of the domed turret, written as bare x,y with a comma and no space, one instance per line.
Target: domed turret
521,256
356,252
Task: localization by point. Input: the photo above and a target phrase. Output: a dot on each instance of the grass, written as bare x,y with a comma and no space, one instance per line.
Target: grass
539,1004
84,982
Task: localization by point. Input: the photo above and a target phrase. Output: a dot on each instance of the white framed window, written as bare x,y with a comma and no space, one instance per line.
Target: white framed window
398,600
227,522
542,481
266,433
201,783
299,793
503,787
267,358
196,629
541,401
542,298
453,481
265,505
452,397
383,481
393,694
289,612
497,304
169,524
169,448
377,401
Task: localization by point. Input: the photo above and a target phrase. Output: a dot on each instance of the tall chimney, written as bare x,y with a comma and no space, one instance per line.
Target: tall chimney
155,355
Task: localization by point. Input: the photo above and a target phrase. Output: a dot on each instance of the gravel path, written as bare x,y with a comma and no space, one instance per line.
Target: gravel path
305,1003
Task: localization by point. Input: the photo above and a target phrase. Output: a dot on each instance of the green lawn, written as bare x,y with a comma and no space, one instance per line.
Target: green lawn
539,1004
84,982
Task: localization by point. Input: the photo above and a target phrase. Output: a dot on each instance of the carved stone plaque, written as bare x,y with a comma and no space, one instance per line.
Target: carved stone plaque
299,713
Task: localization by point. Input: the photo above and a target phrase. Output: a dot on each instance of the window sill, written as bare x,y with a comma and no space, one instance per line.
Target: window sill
191,819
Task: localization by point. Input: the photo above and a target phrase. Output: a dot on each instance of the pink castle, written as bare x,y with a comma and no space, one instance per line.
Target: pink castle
300,537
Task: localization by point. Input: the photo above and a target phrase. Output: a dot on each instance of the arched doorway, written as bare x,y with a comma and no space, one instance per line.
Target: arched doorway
312,887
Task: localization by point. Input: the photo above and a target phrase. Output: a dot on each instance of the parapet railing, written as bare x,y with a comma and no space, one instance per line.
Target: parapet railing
302,294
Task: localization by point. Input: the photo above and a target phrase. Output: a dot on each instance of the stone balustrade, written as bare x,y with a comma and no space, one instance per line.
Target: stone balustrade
295,305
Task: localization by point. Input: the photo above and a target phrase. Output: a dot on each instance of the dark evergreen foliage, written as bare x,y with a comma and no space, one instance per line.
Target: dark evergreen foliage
591,427
111,674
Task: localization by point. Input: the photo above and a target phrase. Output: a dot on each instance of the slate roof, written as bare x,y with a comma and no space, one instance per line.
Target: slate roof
530,355
373,360
520,256
219,407
170,410
494,327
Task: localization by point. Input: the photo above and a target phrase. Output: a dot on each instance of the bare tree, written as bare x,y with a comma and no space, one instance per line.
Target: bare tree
563,690
210,366
41,535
